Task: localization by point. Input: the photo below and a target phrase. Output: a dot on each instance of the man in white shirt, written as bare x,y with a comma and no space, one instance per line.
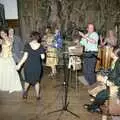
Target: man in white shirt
90,43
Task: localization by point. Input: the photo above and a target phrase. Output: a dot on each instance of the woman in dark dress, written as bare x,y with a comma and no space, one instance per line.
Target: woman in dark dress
32,60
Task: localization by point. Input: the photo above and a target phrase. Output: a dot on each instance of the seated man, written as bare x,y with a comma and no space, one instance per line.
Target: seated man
112,83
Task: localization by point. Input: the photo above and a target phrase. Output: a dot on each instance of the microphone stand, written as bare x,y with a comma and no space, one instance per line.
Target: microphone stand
66,85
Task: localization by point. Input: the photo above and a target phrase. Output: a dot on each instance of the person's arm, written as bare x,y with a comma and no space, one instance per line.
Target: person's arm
93,40
83,42
22,61
42,56
42,53
115,41
102,42
106,41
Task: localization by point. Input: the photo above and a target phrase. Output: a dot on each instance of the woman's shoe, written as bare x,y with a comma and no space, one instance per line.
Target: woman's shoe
38,98
52,76
24,96
49,75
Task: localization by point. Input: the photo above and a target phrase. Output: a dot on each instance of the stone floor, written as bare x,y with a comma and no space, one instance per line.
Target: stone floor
12,107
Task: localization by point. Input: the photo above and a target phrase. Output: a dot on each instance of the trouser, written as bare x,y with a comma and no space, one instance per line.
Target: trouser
89,64
100,99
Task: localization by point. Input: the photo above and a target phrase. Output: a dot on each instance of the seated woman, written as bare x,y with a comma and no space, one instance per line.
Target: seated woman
106,46
112,82
110,39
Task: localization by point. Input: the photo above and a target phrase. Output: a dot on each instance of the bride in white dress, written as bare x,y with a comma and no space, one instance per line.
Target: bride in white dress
9,77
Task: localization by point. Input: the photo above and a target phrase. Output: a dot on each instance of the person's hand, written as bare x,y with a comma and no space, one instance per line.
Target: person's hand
106,78
18,67
81,34
42,56
86,35
101,38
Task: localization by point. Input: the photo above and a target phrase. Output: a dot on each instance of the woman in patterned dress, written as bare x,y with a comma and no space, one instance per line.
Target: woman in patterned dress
52,59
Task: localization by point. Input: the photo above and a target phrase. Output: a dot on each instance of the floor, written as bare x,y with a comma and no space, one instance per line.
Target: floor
13,107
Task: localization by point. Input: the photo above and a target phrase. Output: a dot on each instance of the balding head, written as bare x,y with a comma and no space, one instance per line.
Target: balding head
90,28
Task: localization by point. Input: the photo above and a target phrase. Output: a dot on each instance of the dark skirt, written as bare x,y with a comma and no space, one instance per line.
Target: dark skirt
32,76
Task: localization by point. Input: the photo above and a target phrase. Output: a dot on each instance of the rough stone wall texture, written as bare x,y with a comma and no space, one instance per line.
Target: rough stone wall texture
68,14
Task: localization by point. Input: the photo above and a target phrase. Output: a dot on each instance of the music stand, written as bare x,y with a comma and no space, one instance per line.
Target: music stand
66,85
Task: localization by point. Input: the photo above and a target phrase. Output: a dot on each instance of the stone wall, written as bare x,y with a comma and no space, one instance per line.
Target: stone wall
68,14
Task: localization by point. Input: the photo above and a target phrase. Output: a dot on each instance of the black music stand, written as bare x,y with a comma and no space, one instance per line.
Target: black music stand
66,85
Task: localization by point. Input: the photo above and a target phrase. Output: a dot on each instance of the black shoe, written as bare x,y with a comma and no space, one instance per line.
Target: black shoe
97,110
89,108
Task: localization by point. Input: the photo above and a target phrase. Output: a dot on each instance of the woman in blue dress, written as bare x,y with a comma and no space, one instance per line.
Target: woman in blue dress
58,39
32,60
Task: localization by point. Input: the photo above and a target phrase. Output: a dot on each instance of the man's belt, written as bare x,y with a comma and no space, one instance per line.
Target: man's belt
90,54
91,51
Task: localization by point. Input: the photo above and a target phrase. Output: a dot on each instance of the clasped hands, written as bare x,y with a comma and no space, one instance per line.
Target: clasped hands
83,35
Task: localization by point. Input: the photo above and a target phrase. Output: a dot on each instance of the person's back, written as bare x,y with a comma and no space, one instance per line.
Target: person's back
17,49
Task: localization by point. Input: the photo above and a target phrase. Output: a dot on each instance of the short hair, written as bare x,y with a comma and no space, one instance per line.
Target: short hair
92,25
10,28
49,29
36,36
5,30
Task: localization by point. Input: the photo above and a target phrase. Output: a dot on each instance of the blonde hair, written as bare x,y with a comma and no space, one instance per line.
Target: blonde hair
108,33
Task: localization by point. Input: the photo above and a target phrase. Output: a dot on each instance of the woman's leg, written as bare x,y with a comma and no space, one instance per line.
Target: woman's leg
37,90
26,86
54,70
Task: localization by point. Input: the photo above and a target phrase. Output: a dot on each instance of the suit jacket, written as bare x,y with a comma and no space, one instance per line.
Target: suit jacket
17,48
